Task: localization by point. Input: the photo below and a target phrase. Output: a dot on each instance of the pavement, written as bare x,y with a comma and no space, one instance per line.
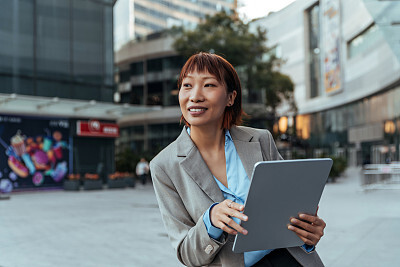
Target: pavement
123,227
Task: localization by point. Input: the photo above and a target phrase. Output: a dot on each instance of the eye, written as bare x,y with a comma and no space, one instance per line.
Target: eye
186,85
210,85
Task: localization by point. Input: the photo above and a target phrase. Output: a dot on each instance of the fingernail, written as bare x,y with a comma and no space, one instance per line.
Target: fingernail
245,218
293,220
290,227
302,216
245,232
242,207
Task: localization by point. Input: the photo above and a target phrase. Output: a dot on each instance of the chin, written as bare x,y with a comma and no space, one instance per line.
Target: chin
201,123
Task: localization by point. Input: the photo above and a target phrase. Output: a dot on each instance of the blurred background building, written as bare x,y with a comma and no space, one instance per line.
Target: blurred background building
136,19
343,57
147,66
57,114
66,89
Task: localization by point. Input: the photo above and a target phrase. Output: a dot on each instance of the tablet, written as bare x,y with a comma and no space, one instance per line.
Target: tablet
280,190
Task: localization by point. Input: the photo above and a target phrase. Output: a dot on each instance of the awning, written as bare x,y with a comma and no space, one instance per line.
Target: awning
69,108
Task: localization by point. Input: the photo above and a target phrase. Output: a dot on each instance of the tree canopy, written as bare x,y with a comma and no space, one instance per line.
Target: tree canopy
246,50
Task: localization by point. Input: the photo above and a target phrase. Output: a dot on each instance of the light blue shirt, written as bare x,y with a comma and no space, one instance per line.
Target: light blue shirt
238,186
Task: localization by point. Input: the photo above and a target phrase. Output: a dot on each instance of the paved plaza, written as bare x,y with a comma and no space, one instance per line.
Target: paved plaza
124,228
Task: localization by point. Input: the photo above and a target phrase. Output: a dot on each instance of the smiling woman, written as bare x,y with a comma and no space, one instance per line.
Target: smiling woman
203,71
201,179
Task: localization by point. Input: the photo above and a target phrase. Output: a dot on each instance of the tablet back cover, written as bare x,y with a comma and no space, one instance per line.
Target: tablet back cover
280,190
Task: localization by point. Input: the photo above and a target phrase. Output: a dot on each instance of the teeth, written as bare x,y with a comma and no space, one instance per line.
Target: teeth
196,109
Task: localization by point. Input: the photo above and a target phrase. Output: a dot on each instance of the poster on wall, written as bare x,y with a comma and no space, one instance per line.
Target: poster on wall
34,152
331,44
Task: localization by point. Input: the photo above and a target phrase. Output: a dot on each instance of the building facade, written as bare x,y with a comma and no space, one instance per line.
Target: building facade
136,19
343,57
147,75
148,66
56,91
57,49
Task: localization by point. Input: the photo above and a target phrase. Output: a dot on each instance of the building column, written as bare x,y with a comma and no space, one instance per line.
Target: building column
165,93
146,137
145,87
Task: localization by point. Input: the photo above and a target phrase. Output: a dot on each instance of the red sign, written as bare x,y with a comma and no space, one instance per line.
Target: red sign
96,129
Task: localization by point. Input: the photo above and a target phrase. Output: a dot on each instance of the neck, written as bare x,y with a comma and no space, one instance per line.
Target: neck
209,138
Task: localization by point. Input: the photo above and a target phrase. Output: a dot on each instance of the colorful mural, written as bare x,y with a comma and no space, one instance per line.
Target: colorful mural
34,152
331,42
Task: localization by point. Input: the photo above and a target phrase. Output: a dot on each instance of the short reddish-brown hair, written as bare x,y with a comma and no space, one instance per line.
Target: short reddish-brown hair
226,74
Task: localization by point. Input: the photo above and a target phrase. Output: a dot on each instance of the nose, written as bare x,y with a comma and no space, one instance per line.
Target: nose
196,94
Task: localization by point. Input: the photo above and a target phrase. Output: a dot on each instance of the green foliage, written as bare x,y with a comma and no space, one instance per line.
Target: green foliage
231,38
224,35
339,164
126,160
278,86
338,167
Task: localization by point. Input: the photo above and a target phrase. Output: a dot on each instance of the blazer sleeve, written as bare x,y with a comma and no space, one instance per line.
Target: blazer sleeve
268,147
190,239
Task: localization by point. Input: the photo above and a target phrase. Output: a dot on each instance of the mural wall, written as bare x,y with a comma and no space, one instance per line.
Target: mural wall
34,152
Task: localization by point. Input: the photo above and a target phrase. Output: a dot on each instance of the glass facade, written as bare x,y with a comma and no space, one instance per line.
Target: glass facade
149,139
160,76
363,42
57,48
139,19
330,128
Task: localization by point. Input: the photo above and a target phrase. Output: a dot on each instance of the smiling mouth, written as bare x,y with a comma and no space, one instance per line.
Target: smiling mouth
197,109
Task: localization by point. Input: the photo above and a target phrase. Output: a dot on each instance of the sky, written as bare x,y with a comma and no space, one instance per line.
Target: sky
251,9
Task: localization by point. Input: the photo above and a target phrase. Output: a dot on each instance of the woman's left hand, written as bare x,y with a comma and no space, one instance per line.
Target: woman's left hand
310,228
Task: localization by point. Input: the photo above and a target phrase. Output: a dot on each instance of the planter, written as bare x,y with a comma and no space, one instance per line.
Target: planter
130,181
71,185
93,184
116,183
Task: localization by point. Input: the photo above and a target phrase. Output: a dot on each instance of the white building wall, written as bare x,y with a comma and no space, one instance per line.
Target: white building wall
363,75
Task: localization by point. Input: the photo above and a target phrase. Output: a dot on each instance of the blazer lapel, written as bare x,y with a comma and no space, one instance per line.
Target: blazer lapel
248,150
196,168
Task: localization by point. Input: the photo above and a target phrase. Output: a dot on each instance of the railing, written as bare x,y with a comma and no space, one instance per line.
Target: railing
381,174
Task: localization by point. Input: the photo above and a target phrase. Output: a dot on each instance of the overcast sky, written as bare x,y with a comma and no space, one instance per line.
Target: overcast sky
251,9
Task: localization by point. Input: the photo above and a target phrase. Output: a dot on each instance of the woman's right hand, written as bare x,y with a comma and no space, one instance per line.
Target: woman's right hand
222,213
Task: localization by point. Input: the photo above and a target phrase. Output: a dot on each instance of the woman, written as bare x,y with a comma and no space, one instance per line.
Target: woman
202,178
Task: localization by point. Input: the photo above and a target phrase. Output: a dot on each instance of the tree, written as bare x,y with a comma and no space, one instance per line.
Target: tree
231,38
126,161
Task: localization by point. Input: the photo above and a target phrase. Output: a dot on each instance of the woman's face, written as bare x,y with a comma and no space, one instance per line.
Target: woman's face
203,99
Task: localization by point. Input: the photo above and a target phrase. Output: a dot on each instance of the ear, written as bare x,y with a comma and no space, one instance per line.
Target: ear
231,98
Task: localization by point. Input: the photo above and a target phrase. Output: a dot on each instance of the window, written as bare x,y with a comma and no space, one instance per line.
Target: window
313,50
124,76
136,68
154,65
16,37
155,94
87,41
363,42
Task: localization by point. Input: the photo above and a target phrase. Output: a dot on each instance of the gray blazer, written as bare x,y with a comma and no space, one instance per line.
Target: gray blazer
185,189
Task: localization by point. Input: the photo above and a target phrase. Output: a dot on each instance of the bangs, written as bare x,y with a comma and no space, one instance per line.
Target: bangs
202,62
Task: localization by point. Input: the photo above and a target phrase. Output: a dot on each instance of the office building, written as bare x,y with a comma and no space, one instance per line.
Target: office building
147,75
148,66
136,19
344,58
56,91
